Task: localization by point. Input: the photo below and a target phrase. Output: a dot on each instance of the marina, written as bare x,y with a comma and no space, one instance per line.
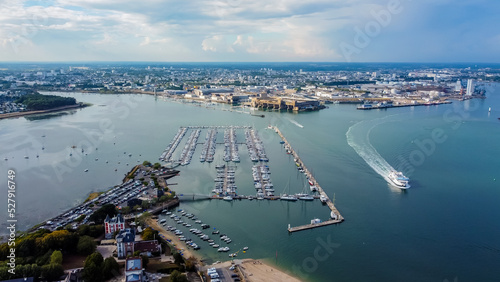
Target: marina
225,182
225,187
188,151
167,153
230,146
335,216
361,199
208,152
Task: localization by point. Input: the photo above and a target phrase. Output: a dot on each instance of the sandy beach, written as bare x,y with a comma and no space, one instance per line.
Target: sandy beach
253,270
257,271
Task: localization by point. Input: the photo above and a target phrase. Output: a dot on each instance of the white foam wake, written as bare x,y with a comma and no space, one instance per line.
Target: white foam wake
358,137
296,123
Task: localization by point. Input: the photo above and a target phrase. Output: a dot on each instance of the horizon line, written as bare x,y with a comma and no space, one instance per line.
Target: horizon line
240,62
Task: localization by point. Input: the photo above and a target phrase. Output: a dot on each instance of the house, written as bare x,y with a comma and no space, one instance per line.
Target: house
158,192
133,270
147,248
125,243
111,225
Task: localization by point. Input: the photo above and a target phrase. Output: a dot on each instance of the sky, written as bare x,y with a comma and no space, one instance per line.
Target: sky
246,31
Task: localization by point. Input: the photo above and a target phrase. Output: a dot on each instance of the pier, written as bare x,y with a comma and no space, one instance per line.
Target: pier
313,225
385,105
335,215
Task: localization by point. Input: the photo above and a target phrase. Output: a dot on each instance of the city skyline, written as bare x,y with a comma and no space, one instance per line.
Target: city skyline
240,31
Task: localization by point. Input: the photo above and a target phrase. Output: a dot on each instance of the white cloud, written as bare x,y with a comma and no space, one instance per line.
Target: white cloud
216,43
222,29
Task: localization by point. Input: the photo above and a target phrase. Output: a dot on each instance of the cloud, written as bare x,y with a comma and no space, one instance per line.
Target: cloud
240,30
216,43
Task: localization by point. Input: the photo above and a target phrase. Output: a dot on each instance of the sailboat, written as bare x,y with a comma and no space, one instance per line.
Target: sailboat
304,196
286,197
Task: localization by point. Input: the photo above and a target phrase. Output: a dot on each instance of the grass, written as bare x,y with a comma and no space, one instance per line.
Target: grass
92,196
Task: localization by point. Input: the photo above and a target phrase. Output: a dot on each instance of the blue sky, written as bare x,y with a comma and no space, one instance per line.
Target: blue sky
257,30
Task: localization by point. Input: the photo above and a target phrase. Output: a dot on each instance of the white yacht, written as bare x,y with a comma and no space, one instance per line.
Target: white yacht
286,197
399,179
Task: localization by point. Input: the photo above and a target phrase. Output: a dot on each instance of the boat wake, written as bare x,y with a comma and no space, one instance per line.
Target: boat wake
358,137
296,123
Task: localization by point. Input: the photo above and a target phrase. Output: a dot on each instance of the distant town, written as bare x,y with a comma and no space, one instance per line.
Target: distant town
262,88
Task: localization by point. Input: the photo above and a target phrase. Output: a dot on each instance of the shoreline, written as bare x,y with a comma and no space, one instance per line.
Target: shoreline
180,246
256,270
63,108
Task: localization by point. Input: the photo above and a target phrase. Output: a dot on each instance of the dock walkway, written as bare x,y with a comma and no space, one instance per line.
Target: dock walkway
335,215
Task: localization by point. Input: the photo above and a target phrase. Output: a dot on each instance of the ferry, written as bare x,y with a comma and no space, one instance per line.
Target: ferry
399,179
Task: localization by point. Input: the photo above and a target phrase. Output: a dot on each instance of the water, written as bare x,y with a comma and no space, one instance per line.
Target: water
358,137
444,227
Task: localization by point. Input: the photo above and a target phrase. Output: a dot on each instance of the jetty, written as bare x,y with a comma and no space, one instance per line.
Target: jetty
386,105
335,216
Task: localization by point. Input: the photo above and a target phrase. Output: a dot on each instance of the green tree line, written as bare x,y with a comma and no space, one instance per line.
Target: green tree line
40,254
43,102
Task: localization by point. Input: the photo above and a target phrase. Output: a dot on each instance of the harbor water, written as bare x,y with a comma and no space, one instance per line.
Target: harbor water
444,228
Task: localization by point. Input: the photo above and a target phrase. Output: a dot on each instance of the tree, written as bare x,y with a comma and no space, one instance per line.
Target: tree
96,230
145,204
83,229
56,257
95,258
126,210
156,165
145,261
99,215
149,234
86,245
92,269
52,271
110,268
60,239
191,264
146,163
29,270
42,102
92,272
45,258
178,259
176,276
